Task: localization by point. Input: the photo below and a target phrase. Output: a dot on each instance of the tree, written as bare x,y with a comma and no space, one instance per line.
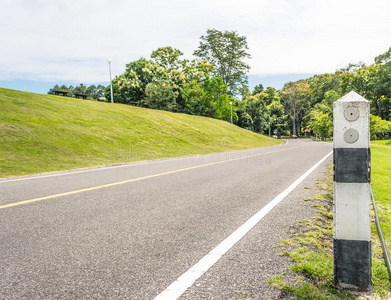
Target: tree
379,127
131,85
160,95
320,84
295,96
80,89
227,52
168,58
277,116
258,89
217,99
92,92
321,123
96,92
244,119
383,58
194,97
256,109
63,88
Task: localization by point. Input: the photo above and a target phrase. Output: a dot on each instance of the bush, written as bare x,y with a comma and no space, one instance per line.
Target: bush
379,127
160,96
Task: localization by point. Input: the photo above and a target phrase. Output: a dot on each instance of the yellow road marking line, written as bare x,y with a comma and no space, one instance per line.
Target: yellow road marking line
137,179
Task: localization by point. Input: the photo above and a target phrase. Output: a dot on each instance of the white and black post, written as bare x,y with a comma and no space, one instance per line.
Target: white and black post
352,203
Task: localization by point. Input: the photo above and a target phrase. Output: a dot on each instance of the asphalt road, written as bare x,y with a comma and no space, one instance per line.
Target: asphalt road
128,232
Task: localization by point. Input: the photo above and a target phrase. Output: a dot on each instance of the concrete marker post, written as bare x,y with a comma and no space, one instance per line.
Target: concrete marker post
352,202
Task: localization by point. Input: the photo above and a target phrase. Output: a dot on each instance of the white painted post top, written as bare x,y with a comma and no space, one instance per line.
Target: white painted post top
352,97
351,122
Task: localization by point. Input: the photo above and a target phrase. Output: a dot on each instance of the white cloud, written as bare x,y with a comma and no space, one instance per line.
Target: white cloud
71,40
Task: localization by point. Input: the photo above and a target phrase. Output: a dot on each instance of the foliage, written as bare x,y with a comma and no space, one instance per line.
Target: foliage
131,85
194,98
93,92
321,84
197,89
321,115
379,127
384,58
168,58
262,110
277,118
226,51
244,119
295,97
256,114
373,82
160,96
217,99
258,89
321,123
167,81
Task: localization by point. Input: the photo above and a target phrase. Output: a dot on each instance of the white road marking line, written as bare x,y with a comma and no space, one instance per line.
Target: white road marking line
186,280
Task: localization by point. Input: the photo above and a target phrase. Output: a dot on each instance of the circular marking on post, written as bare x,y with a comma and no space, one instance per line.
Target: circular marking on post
351,113
351,136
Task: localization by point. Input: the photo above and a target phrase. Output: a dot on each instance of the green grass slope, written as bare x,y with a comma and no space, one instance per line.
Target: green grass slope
42,133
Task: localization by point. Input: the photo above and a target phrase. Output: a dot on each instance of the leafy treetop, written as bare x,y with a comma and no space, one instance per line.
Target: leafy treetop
226,51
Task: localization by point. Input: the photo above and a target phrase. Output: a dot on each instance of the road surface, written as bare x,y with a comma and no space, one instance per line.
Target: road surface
130,231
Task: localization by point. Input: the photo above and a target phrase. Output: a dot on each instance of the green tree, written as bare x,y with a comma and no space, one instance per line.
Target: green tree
92,92
256,108
227,51
258,89
160,95
320,84
217,99
96,92
379,127
277,117
195,100
132,83
383,58
80,89
244,119
321,123
168,58
62,88
295,97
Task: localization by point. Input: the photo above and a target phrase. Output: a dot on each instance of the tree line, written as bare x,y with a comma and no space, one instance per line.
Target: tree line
309,103
93,92
216,81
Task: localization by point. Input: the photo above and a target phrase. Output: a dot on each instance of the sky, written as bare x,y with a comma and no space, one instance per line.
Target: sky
48,42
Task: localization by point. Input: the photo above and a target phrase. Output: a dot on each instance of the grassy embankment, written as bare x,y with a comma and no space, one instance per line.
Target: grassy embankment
42,133
311,248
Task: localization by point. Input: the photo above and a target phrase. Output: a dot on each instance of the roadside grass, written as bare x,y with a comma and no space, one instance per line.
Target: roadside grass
381,184
43,133
311,247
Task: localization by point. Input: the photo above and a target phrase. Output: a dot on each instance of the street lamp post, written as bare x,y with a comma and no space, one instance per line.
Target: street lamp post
231,111
111,84
269,128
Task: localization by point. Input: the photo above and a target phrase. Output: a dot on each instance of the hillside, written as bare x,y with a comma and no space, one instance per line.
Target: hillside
42,133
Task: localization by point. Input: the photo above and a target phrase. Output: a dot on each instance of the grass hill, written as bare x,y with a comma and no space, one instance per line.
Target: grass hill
42,133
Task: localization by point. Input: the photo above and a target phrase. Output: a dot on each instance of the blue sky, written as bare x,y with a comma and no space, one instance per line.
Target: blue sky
42,87
45,42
